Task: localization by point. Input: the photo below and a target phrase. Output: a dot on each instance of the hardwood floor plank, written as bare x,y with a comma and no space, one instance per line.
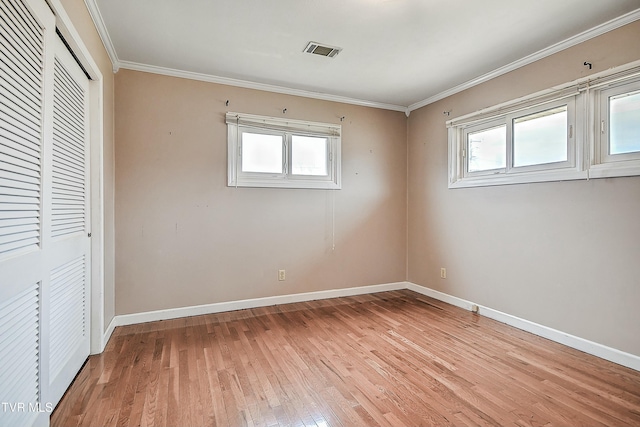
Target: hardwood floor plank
389,359
219,410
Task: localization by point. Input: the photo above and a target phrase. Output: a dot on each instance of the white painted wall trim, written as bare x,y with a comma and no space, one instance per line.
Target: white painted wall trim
543,53
175,313
257,86
440,296
98,21
618,22
604,352
107,334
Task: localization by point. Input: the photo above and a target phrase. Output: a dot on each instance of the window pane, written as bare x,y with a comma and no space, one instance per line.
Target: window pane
309,155
540,138
624,119
261,153
487,149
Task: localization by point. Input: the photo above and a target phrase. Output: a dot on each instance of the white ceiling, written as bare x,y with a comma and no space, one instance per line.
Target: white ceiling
397,54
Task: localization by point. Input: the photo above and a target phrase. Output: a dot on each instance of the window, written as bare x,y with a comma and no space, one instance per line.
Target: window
624,123
541,138
309,155
589,128
274,152
487,149
616,149
529,142
261,153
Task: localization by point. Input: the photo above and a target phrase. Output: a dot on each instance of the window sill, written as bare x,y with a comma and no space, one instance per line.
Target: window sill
617,169
288,183
518,178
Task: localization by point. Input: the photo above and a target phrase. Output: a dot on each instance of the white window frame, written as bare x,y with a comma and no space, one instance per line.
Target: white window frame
588,149
237,123
466,153
504,115
602,163
570,163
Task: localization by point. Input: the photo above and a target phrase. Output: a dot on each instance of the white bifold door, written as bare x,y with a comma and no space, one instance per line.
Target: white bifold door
44,214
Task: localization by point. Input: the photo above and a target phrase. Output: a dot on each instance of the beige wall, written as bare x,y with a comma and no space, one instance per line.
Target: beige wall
560,254
564,254
77,11
184,238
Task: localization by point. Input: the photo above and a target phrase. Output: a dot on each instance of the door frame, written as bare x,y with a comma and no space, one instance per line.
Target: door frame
96,141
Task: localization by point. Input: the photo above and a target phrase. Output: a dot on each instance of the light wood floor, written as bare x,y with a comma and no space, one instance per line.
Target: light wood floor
393,358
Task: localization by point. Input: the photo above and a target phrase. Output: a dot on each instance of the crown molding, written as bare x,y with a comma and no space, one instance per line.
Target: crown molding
565,44
543,53
96,16
257,86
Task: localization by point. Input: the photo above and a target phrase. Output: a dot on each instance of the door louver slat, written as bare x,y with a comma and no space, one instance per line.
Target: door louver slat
20,106
67,316
16,135
6,86
19,323
25,60
29,27
69,192
21,61
22,156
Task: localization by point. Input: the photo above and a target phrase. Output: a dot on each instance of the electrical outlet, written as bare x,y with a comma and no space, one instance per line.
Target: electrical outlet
282,274
443,273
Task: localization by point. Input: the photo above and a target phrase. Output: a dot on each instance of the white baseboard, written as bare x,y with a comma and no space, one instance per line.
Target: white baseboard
440,296
620,357
604,352
107,334
175,313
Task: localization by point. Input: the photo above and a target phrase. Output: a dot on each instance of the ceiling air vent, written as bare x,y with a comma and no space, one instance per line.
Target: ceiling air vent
323,50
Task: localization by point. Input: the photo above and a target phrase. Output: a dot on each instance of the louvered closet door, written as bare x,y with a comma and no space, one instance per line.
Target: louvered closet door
44,214
69,260
26,28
